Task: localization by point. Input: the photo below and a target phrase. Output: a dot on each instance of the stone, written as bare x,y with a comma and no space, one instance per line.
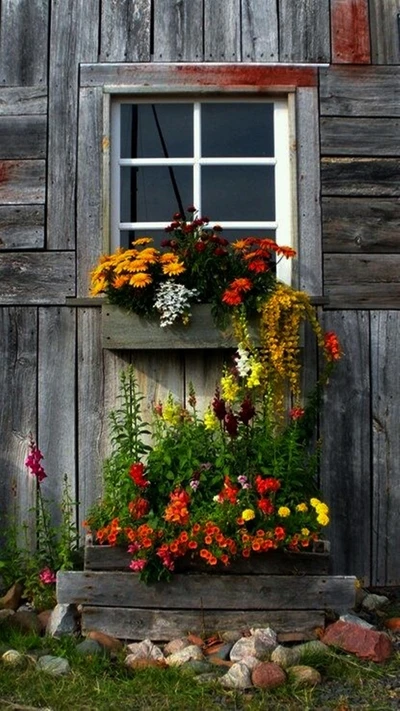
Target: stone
238,677
5,615
63,620
133,663
185,655
12,657
221,650
372,602
231,636
218,662
44,618
111,644
89,648
12,599
195,639
285,656
356,620
260,644
302,675
266,636
251,662
56,666
393,624
145,650
26,622
268,675
364,643
315,646
199,667
176,645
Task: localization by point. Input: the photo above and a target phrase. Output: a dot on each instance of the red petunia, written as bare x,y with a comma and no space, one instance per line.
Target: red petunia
136,473
266,506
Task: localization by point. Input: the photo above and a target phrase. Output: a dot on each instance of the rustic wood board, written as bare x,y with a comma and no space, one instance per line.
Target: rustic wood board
36,277
23,100
158,374
385,386
350,32
345,470
304,31
24,42
21,226
373,177
222,35
385,31
204,369
343,136
23,137
362,280
178,31
277,563
200,591
260,41
22,182
163,625
125,30
360,91
361,224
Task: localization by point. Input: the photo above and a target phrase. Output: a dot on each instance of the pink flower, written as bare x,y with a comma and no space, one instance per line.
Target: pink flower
33,462
47,576
137,565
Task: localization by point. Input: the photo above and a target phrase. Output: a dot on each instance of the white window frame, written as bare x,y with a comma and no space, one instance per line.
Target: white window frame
283,162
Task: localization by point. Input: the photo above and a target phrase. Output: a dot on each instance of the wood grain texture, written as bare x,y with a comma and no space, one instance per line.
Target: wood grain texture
125,31
73,39
23,100
360,137
373,177
361,225
178,30
385,385
350,32
23,42
222,35
158,374
23,137
304,31
360,91
21,227
203,371
260,41
346,446
385,39
164,625
22,182
18,375
268,592
308,191
362,280
36,278
89,186
56,402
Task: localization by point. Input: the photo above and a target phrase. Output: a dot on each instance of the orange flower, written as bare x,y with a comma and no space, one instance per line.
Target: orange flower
256,546
192,545
204,553
212,560
242,284
246,553
173,268
208,540
196,528
224,559
140,280
231,298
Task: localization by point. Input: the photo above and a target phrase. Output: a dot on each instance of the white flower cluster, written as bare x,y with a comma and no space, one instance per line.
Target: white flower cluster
243,363
173,301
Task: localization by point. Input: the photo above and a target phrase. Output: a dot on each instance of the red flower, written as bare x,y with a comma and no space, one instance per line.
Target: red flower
218,405
263,486
241,284
220,252
136,472
332,346
231,298
296,412
279,533
266,506
200,246
247,411
258,266
138,508
231,424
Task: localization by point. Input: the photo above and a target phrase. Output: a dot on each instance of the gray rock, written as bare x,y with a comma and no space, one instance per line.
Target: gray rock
313,647
25,621
305,676
63,620
185,655
175,645
286,656
56,666
145,650
199,667
13,658
238,677
260,644
231,635
89,647
372,602
223,652
5,615
251,662
355,620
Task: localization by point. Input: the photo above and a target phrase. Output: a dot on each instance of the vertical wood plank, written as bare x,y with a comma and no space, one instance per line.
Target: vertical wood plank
89,186
158,374
73,39
350,32
304,31
203,369
18,372
125,31
56,402
222,38
259,31
23,42
346,446
385,345
385,31
308,191
178,30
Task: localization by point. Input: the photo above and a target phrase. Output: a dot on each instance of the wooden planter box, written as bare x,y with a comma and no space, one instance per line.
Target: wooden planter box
288,591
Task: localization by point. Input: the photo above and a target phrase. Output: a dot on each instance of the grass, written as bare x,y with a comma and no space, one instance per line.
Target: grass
103,684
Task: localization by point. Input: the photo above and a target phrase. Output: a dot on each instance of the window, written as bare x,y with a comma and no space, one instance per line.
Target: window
230,158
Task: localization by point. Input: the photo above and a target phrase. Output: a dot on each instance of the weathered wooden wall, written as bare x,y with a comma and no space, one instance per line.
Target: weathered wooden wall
56,381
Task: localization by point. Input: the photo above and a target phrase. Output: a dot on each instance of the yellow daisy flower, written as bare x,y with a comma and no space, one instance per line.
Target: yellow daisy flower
302,507
248,515
323,519
141,240
283,511
173,269
140,280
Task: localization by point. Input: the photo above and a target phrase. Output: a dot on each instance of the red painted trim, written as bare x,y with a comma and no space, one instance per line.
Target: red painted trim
350,32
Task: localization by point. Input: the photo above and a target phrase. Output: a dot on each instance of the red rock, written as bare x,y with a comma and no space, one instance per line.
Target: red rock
43,618
144,663
111,643
393,624
267,675
364,643
194,639
12,599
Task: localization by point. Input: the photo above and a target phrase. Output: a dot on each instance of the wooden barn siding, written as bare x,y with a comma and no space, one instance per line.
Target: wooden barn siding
360,217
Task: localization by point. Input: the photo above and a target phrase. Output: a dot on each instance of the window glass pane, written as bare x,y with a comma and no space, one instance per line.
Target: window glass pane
233,234
231,130
239,192
147,194
144,128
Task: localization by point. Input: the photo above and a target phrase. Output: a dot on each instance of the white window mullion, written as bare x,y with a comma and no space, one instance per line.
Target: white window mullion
197,156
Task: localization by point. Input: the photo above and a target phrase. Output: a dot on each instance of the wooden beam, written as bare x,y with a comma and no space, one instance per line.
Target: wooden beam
21,226
385,39
23,100
362,280
222,33
350,32
360,177
36,277
178,31
357,225
360,91
23,136
260,40
125,30
22,182
342,136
